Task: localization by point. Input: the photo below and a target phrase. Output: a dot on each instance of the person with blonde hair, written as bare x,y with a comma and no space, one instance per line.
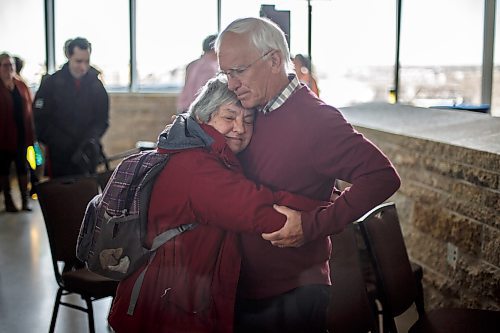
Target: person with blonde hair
303,68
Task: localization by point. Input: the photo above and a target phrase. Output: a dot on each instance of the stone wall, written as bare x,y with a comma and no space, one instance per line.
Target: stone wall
136,117
450,195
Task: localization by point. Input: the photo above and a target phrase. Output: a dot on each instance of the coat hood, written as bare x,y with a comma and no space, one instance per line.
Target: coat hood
184,133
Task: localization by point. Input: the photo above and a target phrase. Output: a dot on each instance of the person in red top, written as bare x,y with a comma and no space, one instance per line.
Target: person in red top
16,131
198,72
301,145
303,68
190,285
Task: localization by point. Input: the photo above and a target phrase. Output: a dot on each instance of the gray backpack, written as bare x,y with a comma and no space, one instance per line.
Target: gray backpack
112,234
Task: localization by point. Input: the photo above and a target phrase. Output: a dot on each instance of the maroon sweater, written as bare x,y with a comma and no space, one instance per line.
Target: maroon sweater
302,147
8,127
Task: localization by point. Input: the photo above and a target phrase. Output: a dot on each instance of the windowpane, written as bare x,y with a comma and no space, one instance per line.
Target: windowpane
169,36
27,43
106,25
352,45
441,52
232,10
353,48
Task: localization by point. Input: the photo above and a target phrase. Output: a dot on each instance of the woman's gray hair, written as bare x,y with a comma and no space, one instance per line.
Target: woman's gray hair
264,34
210,97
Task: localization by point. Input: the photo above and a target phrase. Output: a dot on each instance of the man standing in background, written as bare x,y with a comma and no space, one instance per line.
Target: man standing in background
71,111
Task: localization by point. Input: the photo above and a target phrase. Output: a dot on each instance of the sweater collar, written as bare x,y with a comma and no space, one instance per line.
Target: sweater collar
281,98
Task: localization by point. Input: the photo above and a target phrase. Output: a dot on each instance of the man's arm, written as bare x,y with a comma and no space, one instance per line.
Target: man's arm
292,234
339,152
43,107
101,113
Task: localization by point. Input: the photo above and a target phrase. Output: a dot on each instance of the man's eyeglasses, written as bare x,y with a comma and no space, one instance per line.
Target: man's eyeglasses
236,73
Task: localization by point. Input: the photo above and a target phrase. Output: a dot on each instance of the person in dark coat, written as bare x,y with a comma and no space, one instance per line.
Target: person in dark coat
71,110
190,285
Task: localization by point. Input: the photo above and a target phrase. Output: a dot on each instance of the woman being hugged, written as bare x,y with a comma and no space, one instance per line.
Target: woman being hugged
190,285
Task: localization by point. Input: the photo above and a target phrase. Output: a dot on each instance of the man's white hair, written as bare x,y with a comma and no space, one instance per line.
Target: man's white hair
264,34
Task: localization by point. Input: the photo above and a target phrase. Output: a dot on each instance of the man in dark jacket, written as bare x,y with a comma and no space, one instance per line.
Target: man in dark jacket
71,111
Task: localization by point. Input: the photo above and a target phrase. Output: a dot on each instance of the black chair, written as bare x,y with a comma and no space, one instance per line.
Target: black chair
397,286
371,280
63,203
103,178
350,310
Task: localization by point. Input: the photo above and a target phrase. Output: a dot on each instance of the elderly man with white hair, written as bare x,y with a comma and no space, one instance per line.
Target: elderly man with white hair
301,145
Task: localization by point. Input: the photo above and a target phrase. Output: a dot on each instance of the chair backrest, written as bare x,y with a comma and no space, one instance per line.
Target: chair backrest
103,178
395,280
349,310
63,202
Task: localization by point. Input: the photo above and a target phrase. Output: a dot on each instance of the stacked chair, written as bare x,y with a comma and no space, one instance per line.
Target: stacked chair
63,203
350,310
397,287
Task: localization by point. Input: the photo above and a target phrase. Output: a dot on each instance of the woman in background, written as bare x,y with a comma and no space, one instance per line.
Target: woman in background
16,131
303,67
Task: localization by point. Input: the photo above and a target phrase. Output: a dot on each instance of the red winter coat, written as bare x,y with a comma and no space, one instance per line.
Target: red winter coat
191,283
8,128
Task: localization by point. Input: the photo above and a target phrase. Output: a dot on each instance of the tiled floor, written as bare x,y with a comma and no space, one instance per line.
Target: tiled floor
28,287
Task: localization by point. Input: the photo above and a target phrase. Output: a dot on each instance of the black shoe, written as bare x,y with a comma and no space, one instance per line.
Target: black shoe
10,207
26,206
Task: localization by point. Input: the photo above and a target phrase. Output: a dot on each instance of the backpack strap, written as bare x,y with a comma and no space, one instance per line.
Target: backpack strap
157,242
169,234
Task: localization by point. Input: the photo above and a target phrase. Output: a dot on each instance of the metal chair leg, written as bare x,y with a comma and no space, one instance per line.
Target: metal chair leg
90,312
55,310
